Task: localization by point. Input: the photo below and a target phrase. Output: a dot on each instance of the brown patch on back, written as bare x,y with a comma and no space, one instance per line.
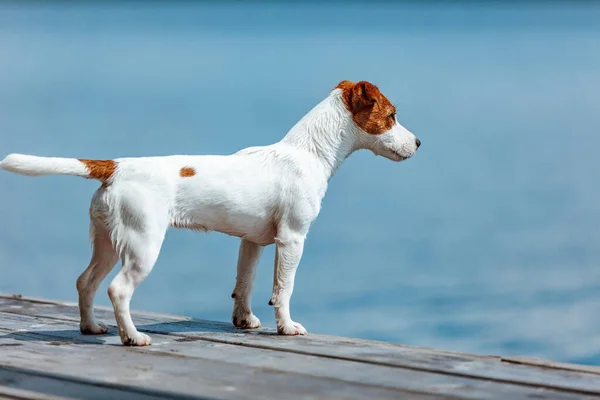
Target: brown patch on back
100,169
370,109
186,172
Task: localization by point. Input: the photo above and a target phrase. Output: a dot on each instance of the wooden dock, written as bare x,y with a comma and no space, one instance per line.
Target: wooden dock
43,356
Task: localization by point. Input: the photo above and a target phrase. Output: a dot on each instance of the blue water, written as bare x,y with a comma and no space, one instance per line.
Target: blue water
487,241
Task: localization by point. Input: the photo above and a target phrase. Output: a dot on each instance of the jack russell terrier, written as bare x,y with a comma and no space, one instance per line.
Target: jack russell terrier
263,195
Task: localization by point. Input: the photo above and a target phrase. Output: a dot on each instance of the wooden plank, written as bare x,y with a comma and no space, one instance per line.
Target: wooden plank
16,303
375,353
21,394
178,374
39,330
30,384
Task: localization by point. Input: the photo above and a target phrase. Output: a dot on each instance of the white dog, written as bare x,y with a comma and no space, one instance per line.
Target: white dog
264,195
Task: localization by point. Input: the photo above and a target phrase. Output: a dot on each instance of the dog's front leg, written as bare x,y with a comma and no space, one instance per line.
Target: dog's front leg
288,255
242,316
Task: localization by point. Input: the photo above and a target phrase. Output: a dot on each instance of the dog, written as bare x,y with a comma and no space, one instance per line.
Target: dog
264,195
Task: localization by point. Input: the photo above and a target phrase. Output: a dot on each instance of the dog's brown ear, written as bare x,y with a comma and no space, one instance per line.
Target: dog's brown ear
361,97
370,109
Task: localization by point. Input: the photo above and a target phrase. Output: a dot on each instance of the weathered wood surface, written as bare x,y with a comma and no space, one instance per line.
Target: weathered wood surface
43,355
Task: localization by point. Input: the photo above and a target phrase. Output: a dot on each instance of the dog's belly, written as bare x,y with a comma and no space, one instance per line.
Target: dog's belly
256,227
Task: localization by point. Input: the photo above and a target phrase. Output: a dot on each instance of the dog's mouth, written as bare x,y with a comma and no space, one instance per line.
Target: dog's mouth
392,154
399,156
396,156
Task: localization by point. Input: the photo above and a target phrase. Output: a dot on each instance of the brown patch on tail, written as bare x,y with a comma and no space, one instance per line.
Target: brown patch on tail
370,109
186,172
100,169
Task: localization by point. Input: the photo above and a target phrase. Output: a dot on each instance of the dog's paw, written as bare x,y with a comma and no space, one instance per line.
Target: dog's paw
291,328
247,321
138,339
93,329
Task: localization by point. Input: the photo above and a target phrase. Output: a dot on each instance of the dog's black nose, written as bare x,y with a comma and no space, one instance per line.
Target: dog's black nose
418,143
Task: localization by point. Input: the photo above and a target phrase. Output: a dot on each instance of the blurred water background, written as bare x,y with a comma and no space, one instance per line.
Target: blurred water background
487,241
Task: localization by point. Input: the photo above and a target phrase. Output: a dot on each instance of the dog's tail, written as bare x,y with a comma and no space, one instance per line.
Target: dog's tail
101,170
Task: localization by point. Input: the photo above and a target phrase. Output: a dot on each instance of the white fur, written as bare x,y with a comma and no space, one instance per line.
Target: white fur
264,195
36,166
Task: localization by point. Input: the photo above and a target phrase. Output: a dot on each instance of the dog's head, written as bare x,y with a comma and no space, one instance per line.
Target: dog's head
375,120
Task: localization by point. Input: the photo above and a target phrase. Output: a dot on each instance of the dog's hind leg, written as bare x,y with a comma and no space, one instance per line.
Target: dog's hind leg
242,316
139,248
104,258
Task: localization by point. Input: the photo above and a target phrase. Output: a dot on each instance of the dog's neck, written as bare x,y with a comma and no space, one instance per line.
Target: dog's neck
327,131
